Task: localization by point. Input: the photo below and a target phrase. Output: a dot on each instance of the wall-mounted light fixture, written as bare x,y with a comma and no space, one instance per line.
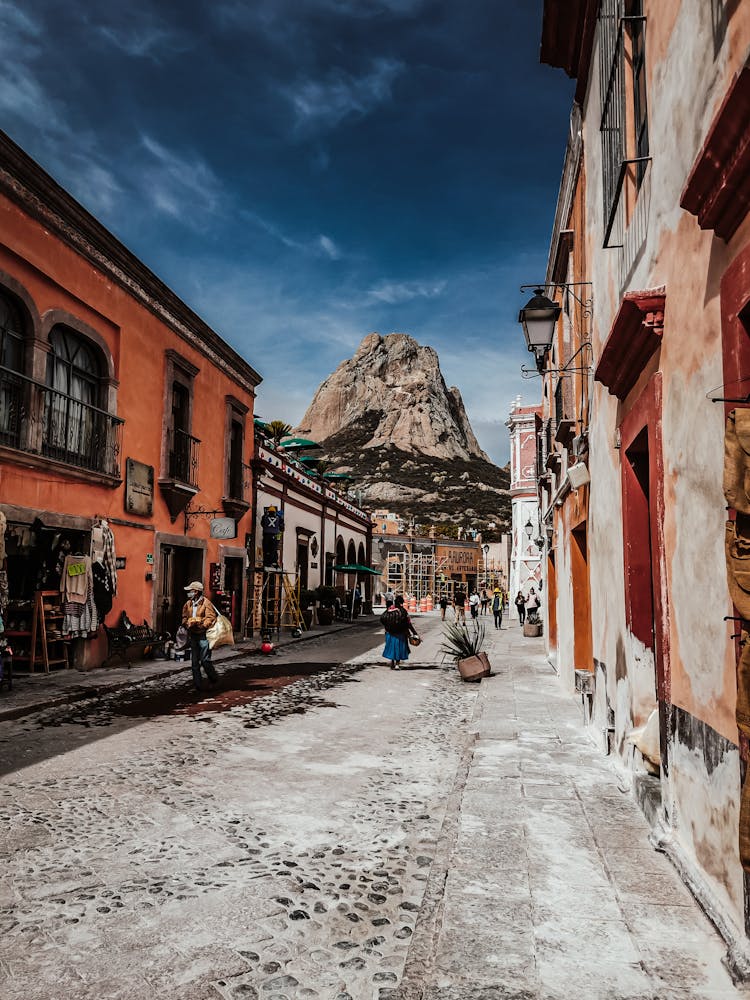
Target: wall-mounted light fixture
539,317
528,528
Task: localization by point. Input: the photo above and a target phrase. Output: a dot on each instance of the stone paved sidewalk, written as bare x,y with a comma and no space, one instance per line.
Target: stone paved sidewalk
545,884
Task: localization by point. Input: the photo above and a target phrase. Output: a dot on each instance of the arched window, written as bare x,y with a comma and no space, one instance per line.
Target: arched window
351,554
361,554
11,366
340,552
76,429
11,335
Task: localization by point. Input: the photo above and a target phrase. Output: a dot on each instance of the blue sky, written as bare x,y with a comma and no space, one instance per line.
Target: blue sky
303,172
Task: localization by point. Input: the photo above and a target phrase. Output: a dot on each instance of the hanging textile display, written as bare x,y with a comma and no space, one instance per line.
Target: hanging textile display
737,460
736,486
77,590
103,551
104,567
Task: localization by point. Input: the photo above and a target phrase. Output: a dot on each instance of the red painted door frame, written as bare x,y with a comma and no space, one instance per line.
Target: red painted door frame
646,416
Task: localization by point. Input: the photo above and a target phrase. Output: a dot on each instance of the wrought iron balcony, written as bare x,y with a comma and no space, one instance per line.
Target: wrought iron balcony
183,458
39,420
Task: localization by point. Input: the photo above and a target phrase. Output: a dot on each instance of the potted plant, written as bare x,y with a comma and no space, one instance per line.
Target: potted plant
326,602
533,624
307,599
465,647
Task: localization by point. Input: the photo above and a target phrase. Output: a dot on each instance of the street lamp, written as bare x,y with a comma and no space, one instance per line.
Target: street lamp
539,318
485,549
528,528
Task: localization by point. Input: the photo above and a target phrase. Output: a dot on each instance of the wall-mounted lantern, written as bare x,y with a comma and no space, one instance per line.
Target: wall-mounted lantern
539,318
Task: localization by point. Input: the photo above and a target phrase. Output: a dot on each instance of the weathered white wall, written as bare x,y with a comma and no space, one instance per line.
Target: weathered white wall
664,246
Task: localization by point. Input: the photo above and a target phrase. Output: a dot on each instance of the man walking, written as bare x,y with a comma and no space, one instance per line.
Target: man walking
198,615
459,601
497,607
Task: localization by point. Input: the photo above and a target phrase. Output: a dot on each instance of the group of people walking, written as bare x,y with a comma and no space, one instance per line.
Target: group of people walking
479,604
400,630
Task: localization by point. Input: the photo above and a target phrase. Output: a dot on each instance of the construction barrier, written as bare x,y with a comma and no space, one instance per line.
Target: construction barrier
429,604
423,604
412,605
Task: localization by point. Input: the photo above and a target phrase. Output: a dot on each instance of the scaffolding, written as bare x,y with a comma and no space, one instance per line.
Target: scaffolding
412,573
273,601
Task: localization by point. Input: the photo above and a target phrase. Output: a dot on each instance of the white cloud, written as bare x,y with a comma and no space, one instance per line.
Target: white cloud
321,105
396,292
144,40
180,186
329,247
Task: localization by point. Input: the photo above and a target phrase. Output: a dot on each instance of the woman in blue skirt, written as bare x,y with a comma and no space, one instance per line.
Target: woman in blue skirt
397,637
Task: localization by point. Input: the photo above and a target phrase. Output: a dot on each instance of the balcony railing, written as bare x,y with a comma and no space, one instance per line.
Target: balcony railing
183,458
40,420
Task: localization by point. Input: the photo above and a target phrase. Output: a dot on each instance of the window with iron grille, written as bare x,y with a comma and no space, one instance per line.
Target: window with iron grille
559,408
622,72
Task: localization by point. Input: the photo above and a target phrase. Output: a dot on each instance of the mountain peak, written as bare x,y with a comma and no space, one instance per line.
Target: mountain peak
393,386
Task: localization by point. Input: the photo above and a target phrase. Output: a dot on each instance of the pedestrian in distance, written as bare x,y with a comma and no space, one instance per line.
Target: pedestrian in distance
390,597
485,600
474,605
443,606
520,603
398,626
198,615
459,603
497,607
532,601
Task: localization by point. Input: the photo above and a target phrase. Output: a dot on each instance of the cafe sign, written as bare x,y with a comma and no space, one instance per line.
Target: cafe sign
223,527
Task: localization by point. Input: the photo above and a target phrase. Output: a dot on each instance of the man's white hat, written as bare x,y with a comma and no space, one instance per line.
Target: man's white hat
195,585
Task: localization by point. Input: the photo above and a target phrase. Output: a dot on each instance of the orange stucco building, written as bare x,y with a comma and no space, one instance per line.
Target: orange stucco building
117,403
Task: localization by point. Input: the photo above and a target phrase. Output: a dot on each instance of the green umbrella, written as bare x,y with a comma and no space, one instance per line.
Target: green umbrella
309,459
355,568
339,476
299,444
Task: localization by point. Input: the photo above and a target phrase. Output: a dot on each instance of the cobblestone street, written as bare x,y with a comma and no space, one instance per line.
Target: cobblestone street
359,833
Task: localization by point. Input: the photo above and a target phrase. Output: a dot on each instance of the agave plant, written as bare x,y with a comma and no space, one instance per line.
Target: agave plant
459,643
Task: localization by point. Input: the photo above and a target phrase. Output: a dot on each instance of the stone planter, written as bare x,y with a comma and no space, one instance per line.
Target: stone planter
325,616
532,631
473,668
307,617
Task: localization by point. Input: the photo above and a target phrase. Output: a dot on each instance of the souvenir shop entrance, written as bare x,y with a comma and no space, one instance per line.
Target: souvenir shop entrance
179,562
57,579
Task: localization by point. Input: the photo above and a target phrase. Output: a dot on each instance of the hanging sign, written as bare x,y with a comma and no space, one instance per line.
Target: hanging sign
223,527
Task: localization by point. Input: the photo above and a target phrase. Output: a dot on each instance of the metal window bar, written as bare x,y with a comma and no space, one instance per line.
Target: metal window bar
612,24
40,420
559,408
640,105
183,457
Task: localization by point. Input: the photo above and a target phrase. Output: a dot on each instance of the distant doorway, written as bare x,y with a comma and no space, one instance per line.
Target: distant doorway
582,642
303,563
179,565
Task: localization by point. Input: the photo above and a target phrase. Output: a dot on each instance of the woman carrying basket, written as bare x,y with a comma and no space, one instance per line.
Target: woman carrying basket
397,632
